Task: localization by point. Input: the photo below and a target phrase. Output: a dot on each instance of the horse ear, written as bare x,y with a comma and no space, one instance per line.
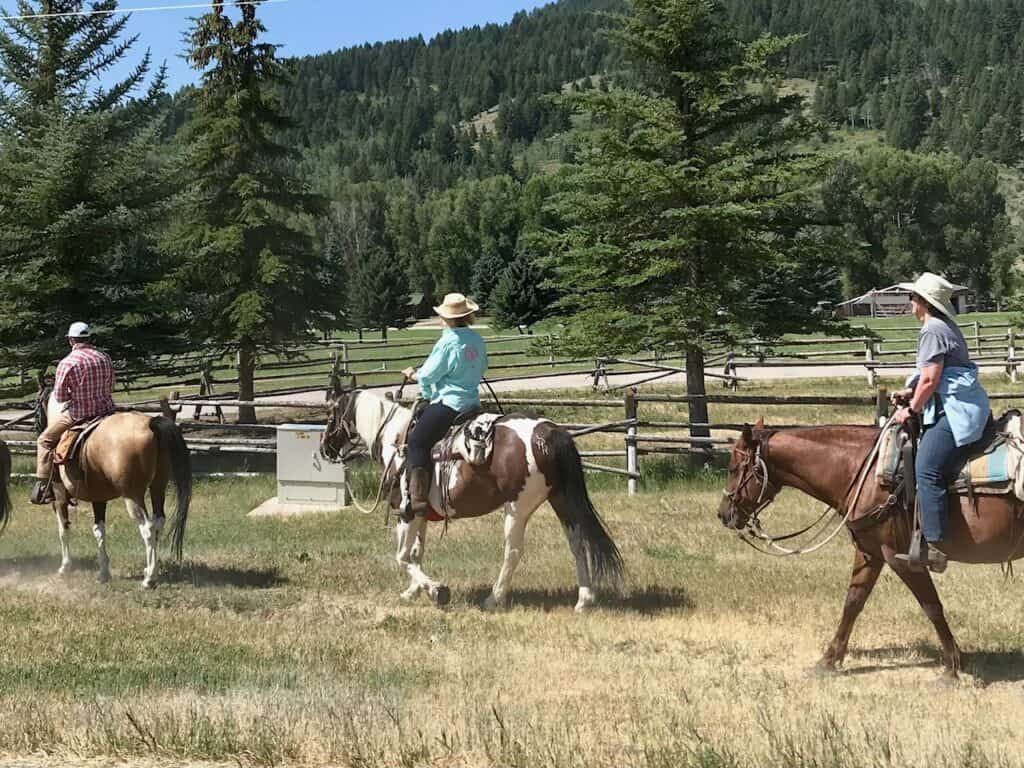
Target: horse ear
747,436
760,423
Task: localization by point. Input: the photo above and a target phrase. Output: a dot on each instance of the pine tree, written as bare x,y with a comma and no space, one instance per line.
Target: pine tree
379,293
690,192
84,190
521,297
251,273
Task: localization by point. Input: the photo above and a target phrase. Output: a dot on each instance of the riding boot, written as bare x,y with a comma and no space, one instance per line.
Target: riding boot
419,491
923,556
42,493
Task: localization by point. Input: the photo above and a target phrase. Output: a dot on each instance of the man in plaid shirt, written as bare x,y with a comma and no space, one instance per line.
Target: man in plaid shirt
85,383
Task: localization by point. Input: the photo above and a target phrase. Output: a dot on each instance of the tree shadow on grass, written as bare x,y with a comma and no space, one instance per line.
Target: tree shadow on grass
202,575
647,601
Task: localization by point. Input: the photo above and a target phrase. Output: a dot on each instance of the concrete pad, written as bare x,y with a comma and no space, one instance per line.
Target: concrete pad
273,508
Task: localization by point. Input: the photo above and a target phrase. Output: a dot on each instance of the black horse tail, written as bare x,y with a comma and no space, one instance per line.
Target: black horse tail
171,443
575,510
5,480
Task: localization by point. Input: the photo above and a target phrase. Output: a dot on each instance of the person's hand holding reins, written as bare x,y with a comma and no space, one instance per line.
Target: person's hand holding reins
901,396
410,375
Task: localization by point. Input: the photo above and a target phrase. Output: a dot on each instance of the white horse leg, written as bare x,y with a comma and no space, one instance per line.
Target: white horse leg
515,539
150,532
412,537
63,524
99,531
586,593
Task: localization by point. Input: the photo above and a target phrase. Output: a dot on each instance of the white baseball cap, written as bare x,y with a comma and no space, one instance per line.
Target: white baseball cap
79,331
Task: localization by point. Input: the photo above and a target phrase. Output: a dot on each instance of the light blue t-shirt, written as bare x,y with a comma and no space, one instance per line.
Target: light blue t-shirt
452,373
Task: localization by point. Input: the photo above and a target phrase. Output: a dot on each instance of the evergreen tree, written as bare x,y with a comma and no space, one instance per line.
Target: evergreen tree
251,273
84,190
379,293
521,297
689,194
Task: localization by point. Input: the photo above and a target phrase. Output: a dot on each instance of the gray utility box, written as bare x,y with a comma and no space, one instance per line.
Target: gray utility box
304,477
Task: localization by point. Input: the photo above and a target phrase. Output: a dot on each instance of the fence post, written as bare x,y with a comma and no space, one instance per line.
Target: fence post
632,462
881,406
551,349
1011,354
977,337
344,358
869,357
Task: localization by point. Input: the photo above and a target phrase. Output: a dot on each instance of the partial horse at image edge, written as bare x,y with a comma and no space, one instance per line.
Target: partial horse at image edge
5,485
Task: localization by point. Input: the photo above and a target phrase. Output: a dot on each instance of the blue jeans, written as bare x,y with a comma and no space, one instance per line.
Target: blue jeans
938,462
432,425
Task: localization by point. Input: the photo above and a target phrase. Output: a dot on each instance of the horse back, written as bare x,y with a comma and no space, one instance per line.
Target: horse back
120,458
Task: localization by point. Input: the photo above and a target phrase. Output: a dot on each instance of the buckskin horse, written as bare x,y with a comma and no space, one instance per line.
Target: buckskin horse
5,482
126,455
532,461
827,463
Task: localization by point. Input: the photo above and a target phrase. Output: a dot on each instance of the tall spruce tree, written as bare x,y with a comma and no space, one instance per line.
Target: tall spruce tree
251,273
84,192
379,293
689,194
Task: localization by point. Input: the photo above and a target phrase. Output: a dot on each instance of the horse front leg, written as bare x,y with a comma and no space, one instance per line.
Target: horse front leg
866,569
60,507
921,584
411,540
99,531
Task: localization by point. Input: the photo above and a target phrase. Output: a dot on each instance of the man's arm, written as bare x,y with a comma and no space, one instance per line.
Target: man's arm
64,381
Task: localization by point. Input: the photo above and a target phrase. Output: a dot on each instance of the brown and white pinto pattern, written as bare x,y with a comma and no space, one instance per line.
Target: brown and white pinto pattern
533,461
126,455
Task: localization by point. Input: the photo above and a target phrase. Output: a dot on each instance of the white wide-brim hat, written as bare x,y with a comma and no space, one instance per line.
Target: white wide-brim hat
455,305
936,290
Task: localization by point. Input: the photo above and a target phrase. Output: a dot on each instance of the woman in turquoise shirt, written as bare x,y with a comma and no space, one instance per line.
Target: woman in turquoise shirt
953,406
450,381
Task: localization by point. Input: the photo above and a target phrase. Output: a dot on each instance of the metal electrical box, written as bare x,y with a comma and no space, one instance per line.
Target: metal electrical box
304,477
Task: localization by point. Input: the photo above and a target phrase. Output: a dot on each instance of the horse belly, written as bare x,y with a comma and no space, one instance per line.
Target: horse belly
989,531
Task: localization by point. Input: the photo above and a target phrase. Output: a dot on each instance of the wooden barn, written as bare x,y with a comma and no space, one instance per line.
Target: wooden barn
894,301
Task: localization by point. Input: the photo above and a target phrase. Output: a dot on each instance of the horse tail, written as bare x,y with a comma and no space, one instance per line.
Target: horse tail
5,477
575,510
171,443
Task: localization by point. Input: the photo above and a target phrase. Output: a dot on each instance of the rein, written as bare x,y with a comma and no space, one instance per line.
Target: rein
754,535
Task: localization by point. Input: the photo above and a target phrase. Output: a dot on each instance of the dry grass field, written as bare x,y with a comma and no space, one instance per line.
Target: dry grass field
284,642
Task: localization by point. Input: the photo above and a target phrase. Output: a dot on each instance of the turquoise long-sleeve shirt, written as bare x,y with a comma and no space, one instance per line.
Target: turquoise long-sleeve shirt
452,373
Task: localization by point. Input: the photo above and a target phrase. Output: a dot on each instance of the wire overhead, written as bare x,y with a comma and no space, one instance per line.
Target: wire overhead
179,7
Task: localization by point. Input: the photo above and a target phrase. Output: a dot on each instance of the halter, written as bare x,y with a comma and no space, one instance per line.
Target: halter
353,441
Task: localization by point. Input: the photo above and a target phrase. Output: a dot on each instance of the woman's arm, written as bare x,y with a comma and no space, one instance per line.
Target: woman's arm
434,368
926,385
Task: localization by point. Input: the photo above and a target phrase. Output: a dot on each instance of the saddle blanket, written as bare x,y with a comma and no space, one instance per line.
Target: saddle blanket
995,468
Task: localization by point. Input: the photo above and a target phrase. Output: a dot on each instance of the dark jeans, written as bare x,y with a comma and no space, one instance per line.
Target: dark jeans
938,461
433,424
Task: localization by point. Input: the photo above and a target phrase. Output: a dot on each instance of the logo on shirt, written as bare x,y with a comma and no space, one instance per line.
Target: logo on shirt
471,354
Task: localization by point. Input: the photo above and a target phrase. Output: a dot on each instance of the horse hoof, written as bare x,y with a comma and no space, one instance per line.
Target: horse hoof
148,584
103,577
442,596
583,607
409,595
64,570
824,669
946,680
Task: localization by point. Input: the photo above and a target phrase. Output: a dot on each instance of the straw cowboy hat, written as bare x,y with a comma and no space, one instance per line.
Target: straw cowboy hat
455,305
936,290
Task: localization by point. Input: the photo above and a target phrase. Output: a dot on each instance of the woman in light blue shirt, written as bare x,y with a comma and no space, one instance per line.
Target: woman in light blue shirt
450,380
954,409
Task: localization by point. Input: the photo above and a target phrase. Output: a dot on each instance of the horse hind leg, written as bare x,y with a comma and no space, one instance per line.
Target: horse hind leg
516,517
866,569
99,531
585,598
150,532
60,507
921,584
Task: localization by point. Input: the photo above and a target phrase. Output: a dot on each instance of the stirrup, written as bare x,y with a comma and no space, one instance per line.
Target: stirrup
42,493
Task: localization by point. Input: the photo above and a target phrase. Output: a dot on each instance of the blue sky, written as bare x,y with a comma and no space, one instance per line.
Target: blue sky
315,26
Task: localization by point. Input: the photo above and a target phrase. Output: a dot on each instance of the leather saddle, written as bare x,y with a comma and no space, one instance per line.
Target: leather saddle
71,442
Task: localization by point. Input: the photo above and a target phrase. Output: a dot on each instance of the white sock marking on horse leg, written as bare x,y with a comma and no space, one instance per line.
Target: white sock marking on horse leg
99,531
586,593
65,546
138,512
515,540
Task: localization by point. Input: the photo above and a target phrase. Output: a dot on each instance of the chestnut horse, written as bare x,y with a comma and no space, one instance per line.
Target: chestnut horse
533,461
827,463
126,455
5,482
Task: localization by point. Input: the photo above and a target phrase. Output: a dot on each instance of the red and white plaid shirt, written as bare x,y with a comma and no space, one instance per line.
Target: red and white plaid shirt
85,379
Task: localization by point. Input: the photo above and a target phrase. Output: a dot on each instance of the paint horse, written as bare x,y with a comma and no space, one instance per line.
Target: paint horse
5,484
828,464
532,461
126,455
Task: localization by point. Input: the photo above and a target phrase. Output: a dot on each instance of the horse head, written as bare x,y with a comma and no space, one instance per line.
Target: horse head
748,488
340,440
